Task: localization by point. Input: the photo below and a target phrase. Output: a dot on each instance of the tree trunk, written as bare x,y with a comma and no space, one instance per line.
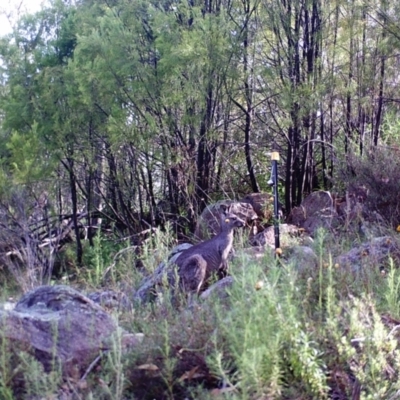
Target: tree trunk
74,200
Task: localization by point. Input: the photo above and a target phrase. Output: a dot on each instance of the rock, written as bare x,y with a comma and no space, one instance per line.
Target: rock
208,222
316,211
218,289
267,236
60,327
110,299
373,253
262,203
302,257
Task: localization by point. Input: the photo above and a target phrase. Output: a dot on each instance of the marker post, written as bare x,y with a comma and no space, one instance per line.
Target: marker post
274,183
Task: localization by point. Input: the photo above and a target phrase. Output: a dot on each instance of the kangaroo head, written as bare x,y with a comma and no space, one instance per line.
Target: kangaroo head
229,220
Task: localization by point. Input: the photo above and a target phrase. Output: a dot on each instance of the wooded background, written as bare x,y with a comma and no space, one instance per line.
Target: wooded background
131,113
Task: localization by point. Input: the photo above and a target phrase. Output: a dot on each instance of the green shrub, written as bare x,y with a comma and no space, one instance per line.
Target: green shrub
380,177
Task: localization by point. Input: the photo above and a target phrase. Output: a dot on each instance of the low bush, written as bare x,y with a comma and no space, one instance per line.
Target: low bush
281,334
378,171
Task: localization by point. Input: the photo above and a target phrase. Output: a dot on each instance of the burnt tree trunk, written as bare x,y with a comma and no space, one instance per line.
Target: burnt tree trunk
379,110
248,90
204,154
74,200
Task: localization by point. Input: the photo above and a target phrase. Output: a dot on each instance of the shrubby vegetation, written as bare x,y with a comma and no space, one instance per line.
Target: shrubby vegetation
282,333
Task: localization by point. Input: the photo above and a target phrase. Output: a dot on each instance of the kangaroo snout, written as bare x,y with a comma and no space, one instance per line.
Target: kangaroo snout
231,221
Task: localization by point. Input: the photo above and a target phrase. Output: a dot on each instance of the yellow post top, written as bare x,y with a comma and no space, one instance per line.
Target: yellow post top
275,156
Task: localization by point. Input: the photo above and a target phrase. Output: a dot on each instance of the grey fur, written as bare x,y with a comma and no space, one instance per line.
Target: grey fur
199,262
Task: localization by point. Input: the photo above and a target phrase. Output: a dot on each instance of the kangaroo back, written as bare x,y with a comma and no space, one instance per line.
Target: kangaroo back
199,262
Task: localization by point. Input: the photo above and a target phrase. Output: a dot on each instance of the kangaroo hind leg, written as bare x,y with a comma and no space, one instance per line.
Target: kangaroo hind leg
192,274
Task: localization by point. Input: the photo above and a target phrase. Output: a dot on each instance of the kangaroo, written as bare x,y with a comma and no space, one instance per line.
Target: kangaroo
199,262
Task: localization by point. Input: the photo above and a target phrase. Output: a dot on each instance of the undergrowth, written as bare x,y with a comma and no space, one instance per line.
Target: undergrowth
283,333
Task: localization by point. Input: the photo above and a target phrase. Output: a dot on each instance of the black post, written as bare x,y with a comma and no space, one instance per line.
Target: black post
274,183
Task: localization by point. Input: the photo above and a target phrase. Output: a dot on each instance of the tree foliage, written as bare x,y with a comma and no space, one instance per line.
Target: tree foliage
134,112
